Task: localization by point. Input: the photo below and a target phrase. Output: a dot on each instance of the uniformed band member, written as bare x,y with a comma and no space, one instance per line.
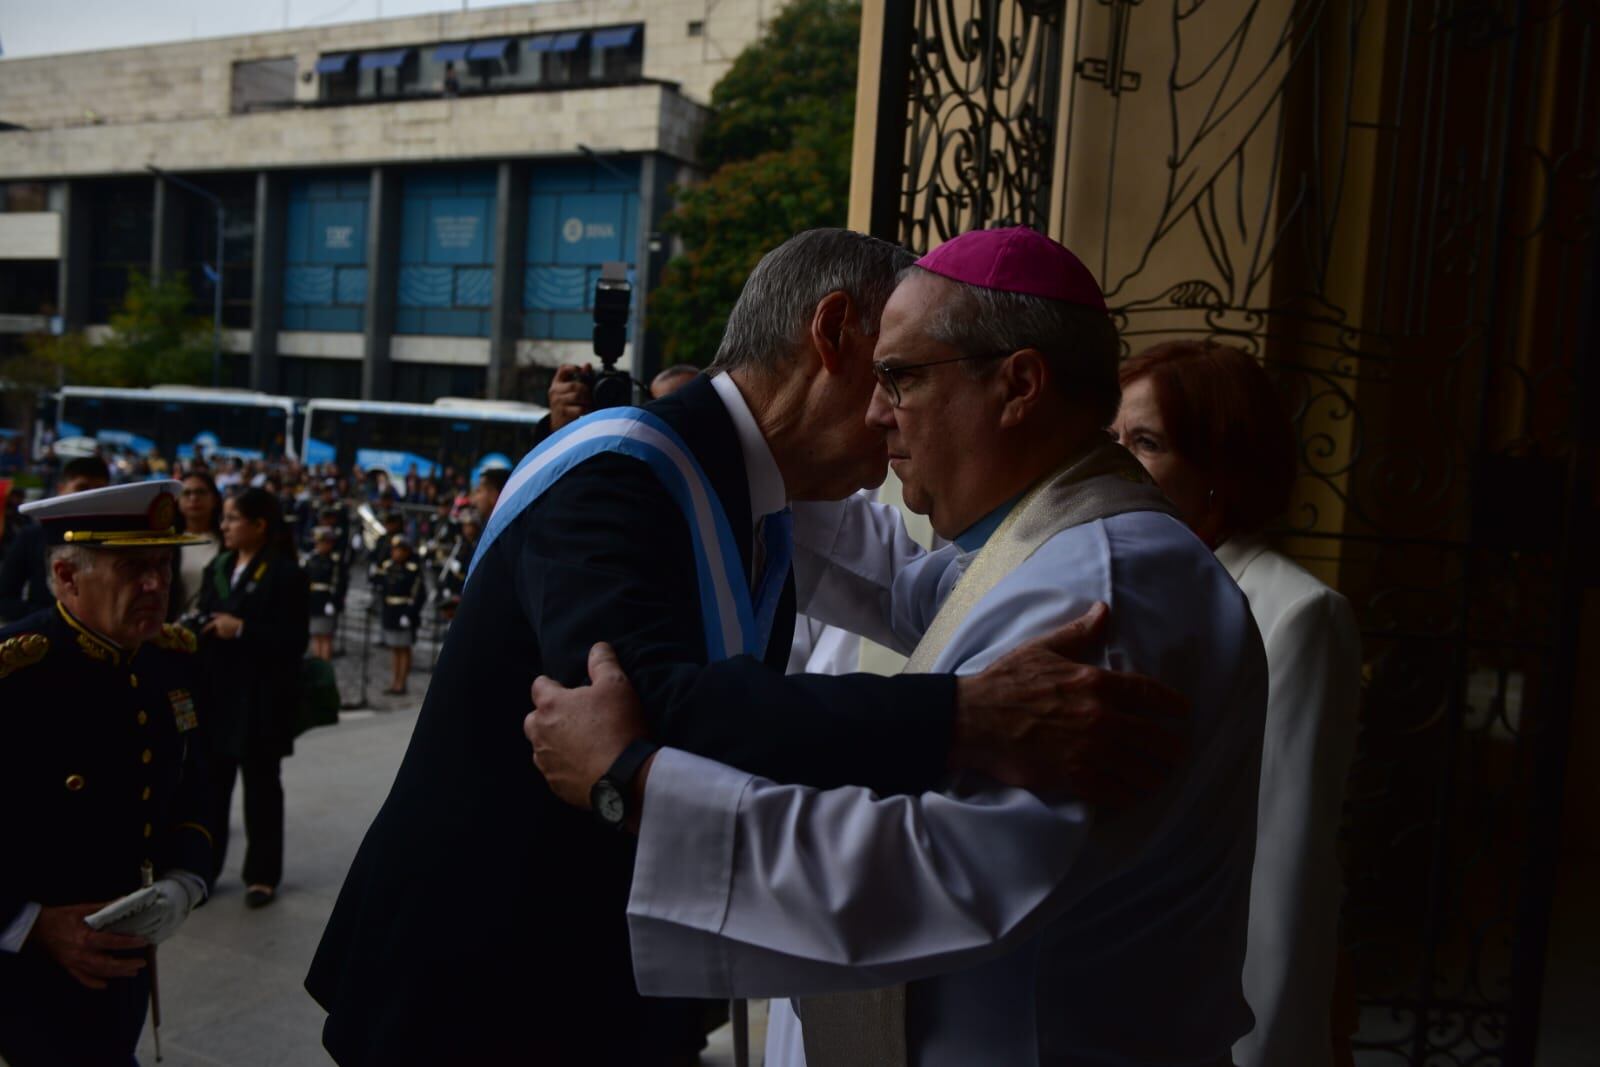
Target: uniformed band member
393,526
101,779
325,570
399,583
453,571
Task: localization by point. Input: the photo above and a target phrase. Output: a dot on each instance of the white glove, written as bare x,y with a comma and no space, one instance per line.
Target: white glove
327,609
171,900
455,566
405,622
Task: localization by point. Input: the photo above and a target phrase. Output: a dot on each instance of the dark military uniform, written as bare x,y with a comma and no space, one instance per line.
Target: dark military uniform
326,574
100,774
401,592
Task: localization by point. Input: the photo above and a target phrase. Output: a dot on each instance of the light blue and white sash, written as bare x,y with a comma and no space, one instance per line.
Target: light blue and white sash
733,625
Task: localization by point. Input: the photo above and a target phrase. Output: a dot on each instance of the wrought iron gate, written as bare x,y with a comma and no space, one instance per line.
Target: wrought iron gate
1394,205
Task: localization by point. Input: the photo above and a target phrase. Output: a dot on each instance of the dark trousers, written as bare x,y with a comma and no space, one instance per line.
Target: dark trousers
263,815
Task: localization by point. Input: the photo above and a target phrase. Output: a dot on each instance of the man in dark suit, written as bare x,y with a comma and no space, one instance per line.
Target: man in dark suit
484,921
24,584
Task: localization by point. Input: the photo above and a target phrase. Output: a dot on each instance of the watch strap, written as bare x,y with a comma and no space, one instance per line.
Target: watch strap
626,766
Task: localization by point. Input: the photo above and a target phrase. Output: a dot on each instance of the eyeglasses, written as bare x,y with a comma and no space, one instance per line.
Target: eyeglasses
888,376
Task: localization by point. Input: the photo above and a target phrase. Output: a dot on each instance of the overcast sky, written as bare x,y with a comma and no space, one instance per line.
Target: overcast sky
37,27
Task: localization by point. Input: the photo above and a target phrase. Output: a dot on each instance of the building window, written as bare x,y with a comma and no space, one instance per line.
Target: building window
386,74
338,378
558,58
339,78
24,196
423,383
616,54
120,219
580,215
263,85
325,254
238,247
697,28
446,253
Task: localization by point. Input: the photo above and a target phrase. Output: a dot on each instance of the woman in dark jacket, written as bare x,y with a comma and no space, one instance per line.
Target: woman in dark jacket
254,599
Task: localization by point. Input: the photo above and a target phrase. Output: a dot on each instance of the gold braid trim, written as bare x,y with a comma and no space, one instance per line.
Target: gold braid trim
23,650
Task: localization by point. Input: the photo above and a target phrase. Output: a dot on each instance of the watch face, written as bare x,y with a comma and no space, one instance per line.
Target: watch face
608,802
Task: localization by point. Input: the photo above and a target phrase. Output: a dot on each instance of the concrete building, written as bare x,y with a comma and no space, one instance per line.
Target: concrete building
411,207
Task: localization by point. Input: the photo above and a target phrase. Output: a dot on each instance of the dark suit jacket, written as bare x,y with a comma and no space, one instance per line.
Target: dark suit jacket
23,589
253,680
483,920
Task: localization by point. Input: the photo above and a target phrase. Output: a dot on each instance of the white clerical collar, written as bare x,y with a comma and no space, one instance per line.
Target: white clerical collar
767,492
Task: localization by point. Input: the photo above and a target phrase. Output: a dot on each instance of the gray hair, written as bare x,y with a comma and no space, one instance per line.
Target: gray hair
81,557
1079,342
768,323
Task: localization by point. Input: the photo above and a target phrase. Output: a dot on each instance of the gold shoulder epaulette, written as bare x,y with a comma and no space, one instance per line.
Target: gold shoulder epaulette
23,650
176,638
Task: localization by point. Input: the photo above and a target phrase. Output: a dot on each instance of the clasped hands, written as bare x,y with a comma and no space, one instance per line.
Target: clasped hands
1038,718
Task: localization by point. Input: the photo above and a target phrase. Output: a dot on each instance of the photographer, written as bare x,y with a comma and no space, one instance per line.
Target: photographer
253,611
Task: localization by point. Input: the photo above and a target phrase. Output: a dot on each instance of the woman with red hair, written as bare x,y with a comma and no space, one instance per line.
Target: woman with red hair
1207,424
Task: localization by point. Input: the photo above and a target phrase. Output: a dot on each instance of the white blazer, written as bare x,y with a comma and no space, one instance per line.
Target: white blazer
1314,669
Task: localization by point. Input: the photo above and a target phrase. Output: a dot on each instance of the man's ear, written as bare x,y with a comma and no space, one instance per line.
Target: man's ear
65,575
1023,380
827,329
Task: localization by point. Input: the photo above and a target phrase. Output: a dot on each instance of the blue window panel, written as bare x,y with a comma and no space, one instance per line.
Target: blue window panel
425,287
581,176
495,49
355,189
590,228
351,286
571,326
337,320
448,52
568,42
414,230
474,287
297,232
475,183
335,63
447,323
540,246
338,232
555,288
294,318
619,37
389,60
458,229
430,183
308,285
541,43
408,320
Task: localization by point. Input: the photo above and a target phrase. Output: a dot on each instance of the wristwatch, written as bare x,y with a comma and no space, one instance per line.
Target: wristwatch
612,795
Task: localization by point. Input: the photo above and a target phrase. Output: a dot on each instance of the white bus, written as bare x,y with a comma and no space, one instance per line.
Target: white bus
181,422
463,436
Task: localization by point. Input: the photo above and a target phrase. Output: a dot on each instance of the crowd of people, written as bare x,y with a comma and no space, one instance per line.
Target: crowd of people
1092,822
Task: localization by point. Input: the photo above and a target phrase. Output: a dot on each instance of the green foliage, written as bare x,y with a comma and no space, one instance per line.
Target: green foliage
780,145
154,339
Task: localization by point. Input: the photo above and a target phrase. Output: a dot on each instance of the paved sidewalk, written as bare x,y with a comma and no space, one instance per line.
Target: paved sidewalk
231,979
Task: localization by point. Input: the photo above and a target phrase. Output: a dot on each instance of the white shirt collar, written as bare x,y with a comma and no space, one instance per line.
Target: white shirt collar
767,492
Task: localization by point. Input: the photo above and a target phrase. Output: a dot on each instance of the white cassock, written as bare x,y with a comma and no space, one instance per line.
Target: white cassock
1313,706
1029,929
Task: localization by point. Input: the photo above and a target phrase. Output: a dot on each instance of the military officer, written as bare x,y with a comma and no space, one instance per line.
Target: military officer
100,780
398,584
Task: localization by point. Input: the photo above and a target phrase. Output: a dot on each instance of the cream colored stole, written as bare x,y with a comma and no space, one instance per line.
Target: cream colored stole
868,1029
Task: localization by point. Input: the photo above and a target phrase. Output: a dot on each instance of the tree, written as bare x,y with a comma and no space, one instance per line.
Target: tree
153,339
778,146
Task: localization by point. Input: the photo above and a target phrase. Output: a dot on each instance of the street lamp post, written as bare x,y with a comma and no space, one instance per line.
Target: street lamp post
216,283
